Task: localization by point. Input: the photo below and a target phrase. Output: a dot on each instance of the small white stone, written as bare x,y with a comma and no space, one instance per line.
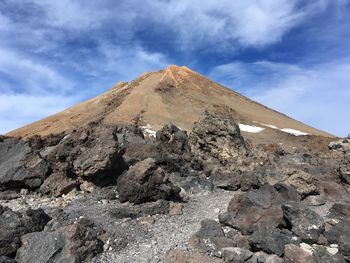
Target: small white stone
332,250
306,247
334,245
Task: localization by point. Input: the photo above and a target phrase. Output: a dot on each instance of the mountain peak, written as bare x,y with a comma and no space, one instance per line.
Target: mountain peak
177,95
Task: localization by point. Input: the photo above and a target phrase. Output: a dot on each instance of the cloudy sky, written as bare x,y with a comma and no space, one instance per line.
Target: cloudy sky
291,55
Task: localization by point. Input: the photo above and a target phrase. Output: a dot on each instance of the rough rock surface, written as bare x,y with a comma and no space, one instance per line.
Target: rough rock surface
145,181
306,224
15,224
271,239
116,194
295,254
20,165
92,154
216,142
71,244
252,210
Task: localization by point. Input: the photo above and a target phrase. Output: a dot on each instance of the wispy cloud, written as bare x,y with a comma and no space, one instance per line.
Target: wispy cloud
76,49
317,95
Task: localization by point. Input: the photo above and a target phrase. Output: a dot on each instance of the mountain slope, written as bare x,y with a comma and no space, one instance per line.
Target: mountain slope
177,95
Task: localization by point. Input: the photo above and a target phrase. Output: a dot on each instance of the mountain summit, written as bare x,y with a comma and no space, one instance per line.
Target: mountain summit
175,95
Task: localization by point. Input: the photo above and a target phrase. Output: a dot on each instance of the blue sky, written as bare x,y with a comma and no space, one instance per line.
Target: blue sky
291,55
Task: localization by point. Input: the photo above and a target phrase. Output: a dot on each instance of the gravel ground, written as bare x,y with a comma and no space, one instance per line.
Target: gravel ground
153,240
145,239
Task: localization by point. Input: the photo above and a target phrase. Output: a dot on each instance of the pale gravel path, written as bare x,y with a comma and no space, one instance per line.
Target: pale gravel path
169,232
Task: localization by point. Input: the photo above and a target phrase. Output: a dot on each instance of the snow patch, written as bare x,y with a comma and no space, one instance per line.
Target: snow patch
249,128
270,126
294,132
147,130
287,130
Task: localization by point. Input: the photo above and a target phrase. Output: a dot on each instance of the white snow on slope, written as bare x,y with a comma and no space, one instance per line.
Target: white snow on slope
147,130
294,132
270,126
249,128
287,130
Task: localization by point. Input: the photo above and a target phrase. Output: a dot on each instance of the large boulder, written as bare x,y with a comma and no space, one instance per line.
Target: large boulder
91,153
72,244
302,182
216,140
304,222
296,254
209,228
322,255
15,224
20,165
250,211
234,180
145,181
172,139
58,184
340,234
271,239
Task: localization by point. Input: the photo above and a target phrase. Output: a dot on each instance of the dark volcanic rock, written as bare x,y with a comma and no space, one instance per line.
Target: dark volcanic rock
216,141
14,224
147,209
305,223
197,184
321,255
234,180
250,211
4,259
302,182
271,239
209,228
145,181
20,165
340,234
173,150
295,254
58,184
236,255
139,151
172,139
91,153
72,244
340,211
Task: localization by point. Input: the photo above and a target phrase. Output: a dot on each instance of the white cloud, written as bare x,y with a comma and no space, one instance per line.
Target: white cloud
233,24
33,77
17,110
225,23
317,95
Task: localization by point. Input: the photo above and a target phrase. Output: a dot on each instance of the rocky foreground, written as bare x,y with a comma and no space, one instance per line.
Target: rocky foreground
107,193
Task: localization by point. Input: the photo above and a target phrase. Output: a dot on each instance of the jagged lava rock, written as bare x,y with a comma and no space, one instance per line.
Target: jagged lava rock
145,181
250,211
72,244
20,165
305,223
217,141
15,224
91,153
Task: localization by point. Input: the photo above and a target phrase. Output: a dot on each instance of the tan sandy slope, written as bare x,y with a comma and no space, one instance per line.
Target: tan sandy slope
175,94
